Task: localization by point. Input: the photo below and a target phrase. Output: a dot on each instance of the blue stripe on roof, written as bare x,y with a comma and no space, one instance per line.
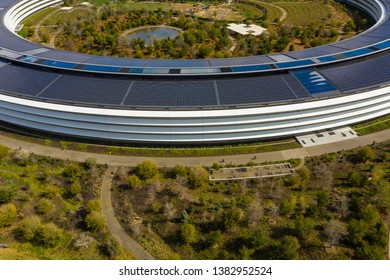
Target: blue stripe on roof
61,64
156,71
382,45
357,52
249,68
136,70
297,63
313,81
101,68
326,58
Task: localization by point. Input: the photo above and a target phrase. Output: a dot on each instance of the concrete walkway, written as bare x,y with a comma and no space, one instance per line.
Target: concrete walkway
113,225
113,160
196,161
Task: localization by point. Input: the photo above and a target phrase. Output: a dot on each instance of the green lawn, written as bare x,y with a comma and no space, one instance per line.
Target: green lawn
303,14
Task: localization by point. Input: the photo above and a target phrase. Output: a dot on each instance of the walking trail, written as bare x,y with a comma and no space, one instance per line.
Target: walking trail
113,225
114,160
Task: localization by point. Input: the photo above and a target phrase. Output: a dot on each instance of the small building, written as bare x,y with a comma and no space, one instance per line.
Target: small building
85,4
244,29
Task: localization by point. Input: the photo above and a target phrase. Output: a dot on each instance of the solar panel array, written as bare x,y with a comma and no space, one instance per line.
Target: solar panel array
359,75
260,90
24,81
87,90
172,94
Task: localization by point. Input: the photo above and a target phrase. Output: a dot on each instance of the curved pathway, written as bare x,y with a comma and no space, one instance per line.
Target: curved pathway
116,230
114,160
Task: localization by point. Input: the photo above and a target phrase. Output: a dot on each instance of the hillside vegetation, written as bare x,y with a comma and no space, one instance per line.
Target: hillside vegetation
49,209
335,207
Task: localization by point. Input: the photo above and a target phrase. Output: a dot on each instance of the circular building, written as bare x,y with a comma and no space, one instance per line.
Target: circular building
193,101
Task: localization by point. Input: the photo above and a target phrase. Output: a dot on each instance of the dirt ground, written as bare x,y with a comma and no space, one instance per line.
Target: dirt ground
218,12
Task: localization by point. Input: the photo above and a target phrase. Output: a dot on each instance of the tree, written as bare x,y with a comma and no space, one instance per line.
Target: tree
304,227
335,230
288,248
8,214
204,51
146,170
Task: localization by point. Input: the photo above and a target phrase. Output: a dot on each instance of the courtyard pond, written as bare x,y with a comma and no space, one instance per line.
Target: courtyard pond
149,34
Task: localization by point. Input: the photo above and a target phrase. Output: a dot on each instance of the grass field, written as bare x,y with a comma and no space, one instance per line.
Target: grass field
304,13
273,12
373,126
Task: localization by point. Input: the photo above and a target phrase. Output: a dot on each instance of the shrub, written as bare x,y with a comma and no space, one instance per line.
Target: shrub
180,170
357,179
48,235
3,151
134,181
110,248
8,214
198,177
188,233
28,228
304,172
146,170
93,206
75,188
95,222
31,229
6,194
365,154
72,172
44,206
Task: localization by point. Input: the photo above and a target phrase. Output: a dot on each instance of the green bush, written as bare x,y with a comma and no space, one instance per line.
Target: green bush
357,179
72,172
75,188
8,214
3,151
31,229
198,177
93,206
44,206
95,222
146,170
188,233
134,181
110,248
365,154
6,194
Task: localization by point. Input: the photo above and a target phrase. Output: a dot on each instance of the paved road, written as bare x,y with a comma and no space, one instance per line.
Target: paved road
114,227
197,161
